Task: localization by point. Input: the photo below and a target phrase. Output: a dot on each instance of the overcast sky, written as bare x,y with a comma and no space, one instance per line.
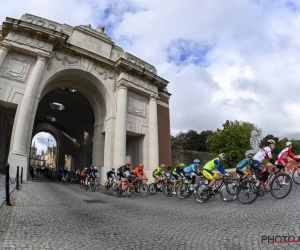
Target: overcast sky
233,59
41,141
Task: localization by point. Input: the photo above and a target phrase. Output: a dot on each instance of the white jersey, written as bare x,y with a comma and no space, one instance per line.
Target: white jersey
265,153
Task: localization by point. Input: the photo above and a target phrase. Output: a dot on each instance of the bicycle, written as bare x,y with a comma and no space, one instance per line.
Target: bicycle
110,184
186,188
64,179
126,187
90,185
169,187
277,181
294,173
226,188
159,186
141,186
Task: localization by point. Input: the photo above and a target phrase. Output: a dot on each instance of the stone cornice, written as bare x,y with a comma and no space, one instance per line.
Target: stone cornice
127,66
165,93
92,32
45,34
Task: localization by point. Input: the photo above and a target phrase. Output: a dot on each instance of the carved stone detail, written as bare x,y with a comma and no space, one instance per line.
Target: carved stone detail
41,22
16,69
63,58
104,72
30,41
137,105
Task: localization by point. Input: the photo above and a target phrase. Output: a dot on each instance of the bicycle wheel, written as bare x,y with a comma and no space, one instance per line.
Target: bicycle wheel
247,192
86,187
129,191
183,191
168,189
93,187
143,189
201,195
228,191
296,176
281,185
117,191
152,188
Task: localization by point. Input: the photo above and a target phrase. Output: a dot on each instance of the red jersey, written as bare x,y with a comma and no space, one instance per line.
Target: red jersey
287,152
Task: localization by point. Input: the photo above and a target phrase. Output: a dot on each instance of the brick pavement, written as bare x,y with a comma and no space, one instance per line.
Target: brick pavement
49,215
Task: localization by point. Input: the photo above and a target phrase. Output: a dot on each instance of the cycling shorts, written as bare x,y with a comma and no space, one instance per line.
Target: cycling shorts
257,166
209,175
174,177
282,161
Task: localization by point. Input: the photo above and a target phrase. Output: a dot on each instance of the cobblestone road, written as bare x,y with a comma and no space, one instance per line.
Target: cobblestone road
48,215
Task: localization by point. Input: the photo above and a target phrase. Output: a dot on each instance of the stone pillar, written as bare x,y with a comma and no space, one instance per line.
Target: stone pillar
4,48
153,134
120,127
18,154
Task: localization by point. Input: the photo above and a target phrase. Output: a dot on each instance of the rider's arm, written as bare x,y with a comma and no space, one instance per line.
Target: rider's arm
143,173
291,155
272,160
219,167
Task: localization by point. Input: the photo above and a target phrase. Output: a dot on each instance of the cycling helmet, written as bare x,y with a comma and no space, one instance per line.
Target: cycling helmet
288,143
141,166
112,169
181,165
271,141
196,161
95,167
222,155
250,155
162,165
128,163
85,168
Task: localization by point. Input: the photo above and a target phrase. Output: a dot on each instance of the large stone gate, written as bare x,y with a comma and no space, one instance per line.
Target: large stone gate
104,106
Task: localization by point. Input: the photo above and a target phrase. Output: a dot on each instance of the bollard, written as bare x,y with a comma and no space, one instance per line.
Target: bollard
21,175
7,185
17,179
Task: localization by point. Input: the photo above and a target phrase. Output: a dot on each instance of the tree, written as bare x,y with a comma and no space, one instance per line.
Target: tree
233,140
192,140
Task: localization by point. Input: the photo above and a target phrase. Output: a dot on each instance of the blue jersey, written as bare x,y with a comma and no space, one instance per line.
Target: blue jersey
191,168
243,163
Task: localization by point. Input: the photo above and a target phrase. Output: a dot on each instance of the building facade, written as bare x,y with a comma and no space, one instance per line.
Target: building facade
103,105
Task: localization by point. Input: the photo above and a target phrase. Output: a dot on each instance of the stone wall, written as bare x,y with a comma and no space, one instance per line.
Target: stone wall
164,138
188,156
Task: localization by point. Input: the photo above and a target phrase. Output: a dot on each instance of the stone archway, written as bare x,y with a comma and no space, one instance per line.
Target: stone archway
126,94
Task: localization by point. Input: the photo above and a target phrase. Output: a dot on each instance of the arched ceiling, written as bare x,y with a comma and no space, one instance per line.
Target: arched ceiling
77,117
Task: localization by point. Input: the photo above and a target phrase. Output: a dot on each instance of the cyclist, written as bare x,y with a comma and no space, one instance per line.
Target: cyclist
286,152
259,157
121,173
191,171
210,166
245,163
83,175
159,172
109,176
137,173
177,175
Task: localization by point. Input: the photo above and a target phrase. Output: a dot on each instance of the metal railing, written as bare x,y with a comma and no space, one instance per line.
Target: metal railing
9,180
